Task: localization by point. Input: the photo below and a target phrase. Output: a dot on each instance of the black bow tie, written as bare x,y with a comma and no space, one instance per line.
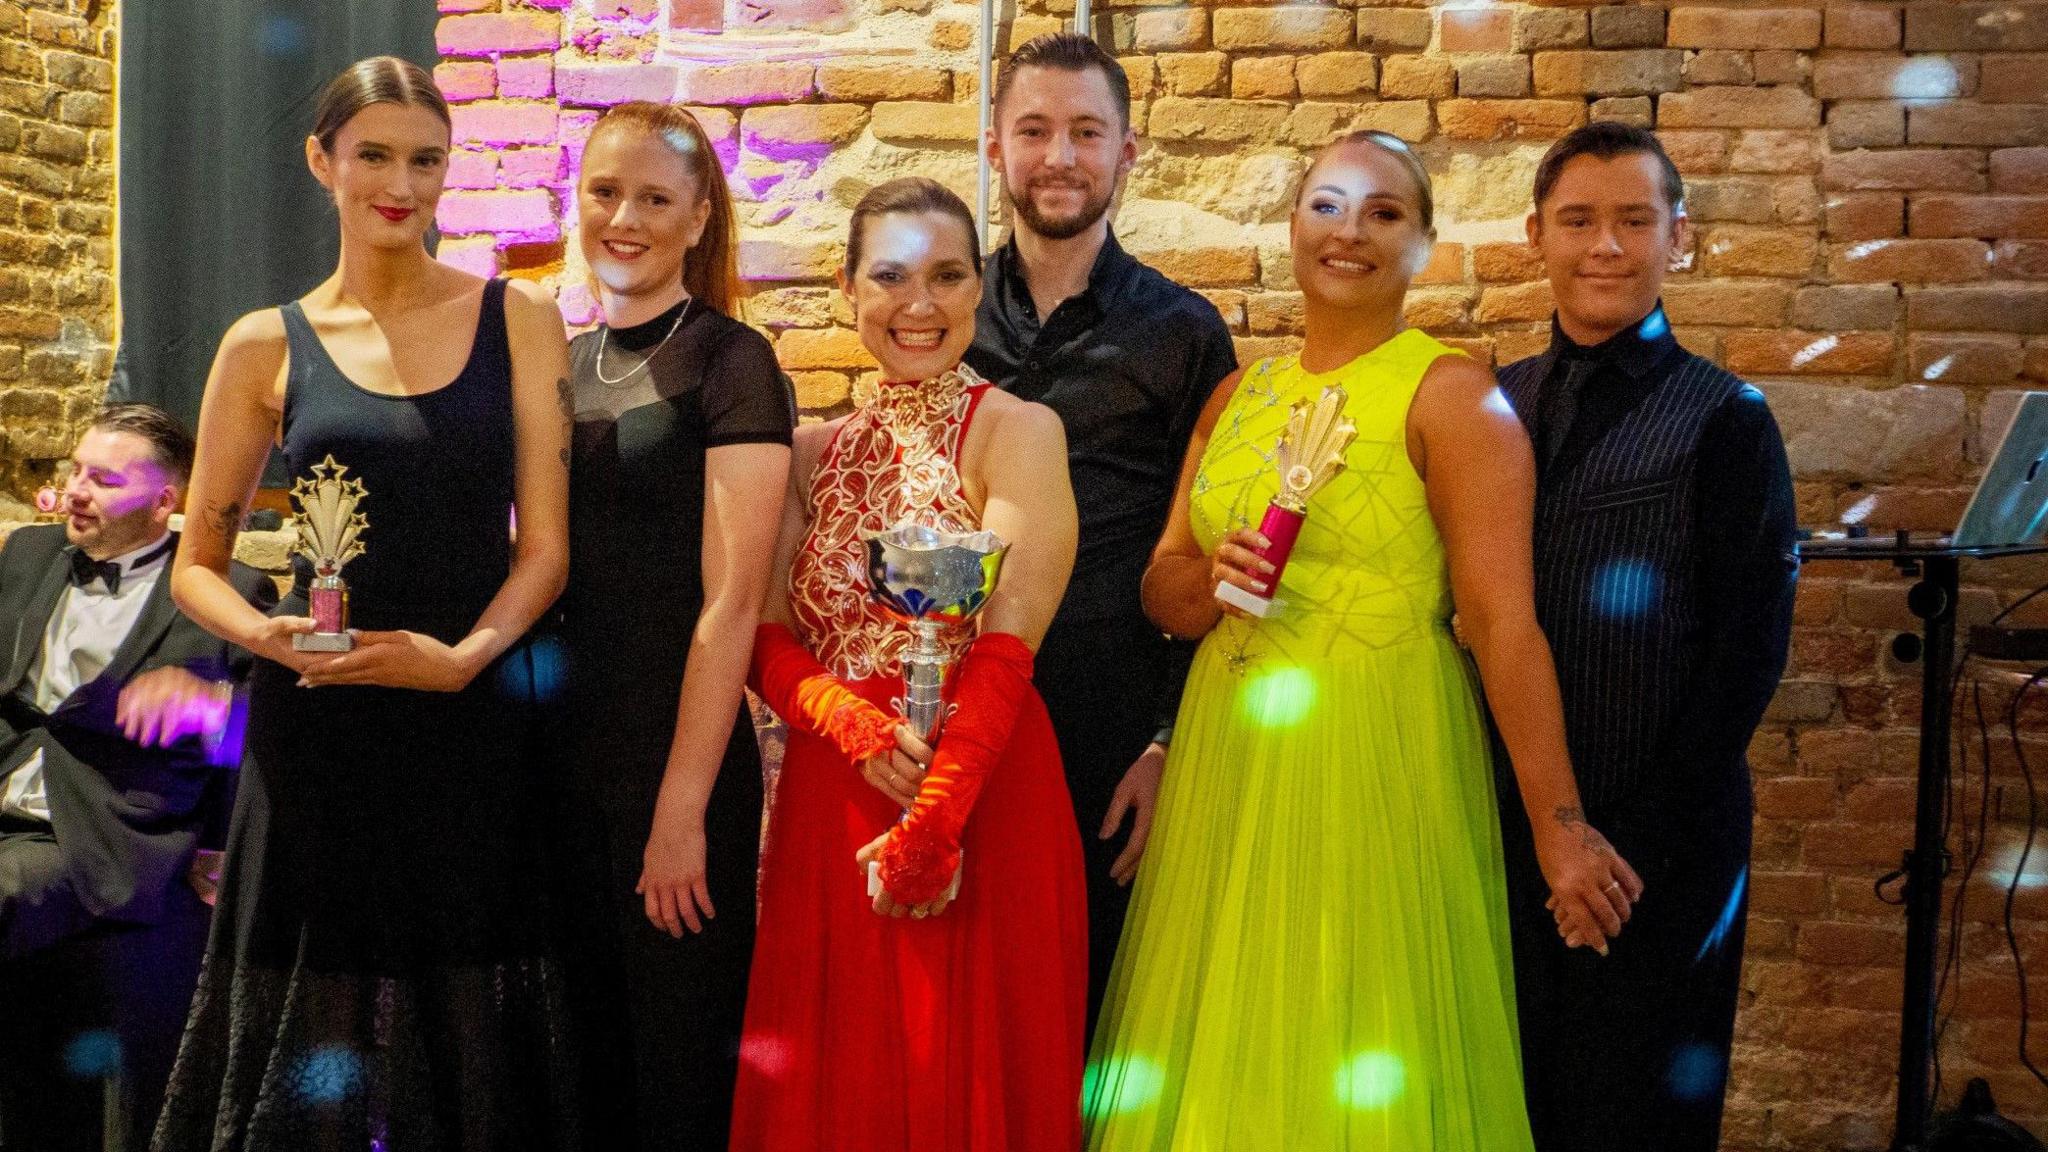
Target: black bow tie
84,568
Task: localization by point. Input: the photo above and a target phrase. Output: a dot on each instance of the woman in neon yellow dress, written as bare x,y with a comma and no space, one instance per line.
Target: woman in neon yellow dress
1317,952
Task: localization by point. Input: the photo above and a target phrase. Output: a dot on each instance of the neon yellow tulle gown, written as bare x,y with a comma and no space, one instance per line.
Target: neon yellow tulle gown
1317,956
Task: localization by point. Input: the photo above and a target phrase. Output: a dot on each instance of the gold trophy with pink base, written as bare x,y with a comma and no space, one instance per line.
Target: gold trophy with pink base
1311,454
330,535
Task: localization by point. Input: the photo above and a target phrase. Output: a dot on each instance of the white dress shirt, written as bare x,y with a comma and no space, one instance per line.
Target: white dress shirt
86,628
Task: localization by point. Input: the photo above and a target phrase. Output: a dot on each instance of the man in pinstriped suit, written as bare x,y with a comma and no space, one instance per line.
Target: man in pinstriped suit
1664,580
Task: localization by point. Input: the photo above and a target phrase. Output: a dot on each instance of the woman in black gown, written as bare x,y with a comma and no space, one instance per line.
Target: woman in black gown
379,975
680,463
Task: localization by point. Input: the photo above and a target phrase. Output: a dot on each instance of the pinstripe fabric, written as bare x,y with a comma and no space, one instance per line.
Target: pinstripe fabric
1614,571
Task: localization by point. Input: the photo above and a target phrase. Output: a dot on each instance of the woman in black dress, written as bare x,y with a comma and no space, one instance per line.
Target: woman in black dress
680,463
379,975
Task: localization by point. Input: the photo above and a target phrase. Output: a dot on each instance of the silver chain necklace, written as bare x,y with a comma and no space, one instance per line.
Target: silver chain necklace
603,337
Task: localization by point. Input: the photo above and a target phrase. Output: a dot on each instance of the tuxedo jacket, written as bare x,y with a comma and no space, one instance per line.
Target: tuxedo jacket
126,818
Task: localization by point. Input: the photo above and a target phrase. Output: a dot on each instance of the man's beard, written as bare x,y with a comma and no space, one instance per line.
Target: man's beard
1057,227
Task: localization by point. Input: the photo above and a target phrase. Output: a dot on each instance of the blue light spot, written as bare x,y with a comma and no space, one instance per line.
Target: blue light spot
1654,325
1280,698
1725,924
536,673
1625,588
94,1055
1119,1085
284,36
1927,78
328,1074
1696,1072
1371,1080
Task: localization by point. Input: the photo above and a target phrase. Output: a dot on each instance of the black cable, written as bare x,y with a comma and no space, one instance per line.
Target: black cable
2012,888
1973,855
2009,609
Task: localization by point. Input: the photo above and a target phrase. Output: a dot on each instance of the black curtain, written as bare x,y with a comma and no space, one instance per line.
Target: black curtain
218,214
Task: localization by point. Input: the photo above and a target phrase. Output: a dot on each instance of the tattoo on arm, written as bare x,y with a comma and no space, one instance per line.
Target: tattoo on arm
565,396
225,522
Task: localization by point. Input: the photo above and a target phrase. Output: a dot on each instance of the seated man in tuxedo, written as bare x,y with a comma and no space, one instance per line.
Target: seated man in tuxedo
100,933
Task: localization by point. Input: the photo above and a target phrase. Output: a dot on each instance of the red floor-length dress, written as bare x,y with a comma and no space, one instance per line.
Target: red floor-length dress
963,1032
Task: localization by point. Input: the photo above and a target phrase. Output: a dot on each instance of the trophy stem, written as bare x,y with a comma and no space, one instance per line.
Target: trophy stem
924,681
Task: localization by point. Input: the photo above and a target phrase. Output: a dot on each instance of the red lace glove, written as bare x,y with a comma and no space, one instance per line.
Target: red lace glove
810,699
990,686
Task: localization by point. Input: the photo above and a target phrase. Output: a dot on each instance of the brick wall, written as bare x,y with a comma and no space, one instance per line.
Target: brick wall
56,230
1870,185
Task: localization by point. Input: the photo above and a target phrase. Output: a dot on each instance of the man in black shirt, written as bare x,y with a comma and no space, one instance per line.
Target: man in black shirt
1127,358
1664,580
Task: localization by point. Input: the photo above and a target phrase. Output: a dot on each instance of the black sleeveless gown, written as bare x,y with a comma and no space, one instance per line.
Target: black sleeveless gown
379,973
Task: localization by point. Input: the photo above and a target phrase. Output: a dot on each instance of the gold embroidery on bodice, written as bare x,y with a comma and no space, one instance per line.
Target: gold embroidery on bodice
894,461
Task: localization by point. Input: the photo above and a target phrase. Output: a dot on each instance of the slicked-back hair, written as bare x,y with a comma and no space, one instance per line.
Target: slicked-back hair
1606,140
378,80
1397,148
911,195
169,442
711,270
1068,52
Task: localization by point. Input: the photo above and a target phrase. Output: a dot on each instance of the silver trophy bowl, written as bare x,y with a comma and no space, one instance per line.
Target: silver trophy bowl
931,580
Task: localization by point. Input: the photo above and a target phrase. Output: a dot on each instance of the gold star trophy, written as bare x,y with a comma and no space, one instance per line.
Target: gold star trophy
330,535
1311,454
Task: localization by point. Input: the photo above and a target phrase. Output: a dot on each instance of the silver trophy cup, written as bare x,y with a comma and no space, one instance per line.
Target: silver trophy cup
931,580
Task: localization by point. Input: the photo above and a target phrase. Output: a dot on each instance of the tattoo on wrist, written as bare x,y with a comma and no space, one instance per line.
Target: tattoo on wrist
1573,819
224,522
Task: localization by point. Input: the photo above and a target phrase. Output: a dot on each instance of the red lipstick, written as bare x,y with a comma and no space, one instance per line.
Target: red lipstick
395,215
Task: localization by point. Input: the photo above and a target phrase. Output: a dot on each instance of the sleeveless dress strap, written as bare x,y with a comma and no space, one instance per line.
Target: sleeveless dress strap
974,396
301,352
493,339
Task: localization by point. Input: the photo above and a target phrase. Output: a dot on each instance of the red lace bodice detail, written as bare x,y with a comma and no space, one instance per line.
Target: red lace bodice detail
894,461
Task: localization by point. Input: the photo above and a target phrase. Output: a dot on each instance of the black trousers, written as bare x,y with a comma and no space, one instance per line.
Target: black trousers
1630,1051
95,1009
1101,684
657,1019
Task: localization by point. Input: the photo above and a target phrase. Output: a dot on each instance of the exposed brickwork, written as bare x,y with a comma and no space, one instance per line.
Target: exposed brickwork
56,230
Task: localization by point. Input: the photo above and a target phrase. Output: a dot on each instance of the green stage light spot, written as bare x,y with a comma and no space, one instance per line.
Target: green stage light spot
1280,698
1120,1085
1371,1080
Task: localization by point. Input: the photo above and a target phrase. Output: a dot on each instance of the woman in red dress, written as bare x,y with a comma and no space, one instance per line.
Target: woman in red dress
913,1021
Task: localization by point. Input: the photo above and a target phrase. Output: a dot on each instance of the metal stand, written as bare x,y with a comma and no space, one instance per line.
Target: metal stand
1933,600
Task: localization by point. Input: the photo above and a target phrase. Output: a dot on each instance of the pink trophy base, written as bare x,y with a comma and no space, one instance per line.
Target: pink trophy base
328,606
1281,527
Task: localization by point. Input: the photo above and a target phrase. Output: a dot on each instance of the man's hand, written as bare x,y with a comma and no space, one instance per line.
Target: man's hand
1137,794
1593,891
204,874
165,705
